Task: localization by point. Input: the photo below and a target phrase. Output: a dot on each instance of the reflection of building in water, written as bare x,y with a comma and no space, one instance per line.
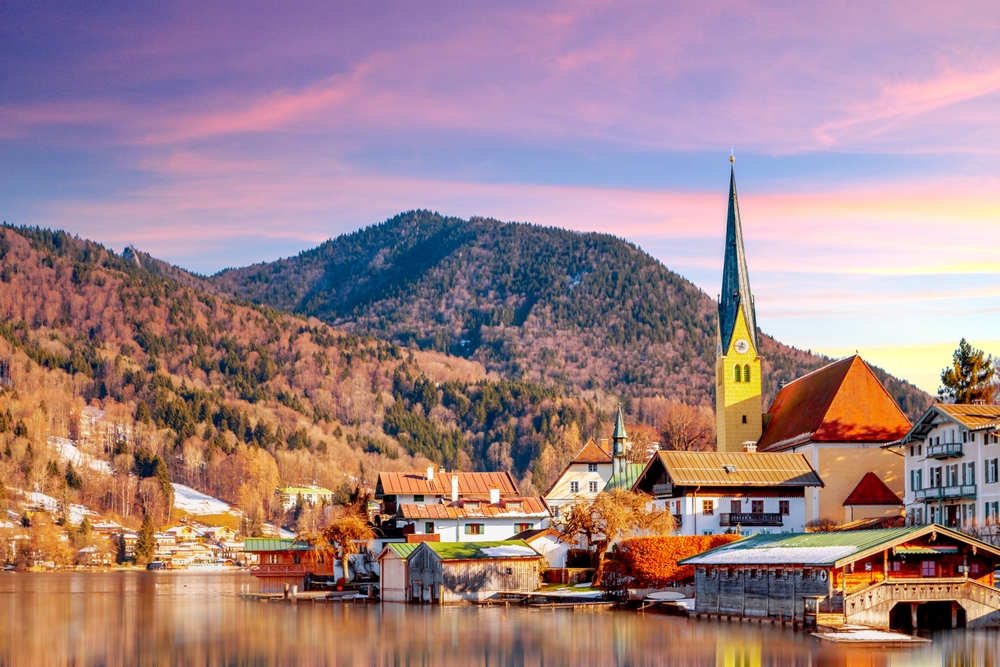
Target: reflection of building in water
741,652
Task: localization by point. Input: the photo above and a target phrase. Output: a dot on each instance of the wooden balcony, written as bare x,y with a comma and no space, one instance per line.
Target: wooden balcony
946,492
661,490
279,570
750,519
946,450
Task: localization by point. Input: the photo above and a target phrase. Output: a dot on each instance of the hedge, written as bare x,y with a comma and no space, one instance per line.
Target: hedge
650,562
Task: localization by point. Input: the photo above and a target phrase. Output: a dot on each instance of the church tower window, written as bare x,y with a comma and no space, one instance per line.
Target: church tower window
736,374
746,373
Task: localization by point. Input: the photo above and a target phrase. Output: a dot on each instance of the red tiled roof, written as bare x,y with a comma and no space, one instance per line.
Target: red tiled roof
871,490
526,507
592,453
469,483
841,402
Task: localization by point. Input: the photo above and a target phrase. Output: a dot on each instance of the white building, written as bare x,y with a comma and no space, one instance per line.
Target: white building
715,492
952,457
585,476
474,520
311,495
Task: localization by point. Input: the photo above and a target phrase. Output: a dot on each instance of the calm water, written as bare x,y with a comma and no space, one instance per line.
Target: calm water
152,618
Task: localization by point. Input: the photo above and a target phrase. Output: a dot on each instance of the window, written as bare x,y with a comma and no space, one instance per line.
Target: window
913,450
928,568
592,487
972,436
992,511
418,498
735,506
708,508
737,375
591,467
556,511
757,506
429,527
969,473
991,471
574,487
297,559
952,473
744,419
521,527
474,528
746,373
783,508
920,450
965,435
918,516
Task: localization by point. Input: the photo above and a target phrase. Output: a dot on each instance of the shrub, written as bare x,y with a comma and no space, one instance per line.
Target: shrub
649,562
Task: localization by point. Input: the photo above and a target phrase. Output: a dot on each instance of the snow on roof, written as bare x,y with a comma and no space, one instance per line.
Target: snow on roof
196,502
509,551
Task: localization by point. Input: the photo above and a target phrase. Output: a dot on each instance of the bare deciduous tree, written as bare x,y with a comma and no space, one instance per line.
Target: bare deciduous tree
688,429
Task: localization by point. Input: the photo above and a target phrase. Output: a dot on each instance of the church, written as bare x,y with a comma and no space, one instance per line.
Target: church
839,416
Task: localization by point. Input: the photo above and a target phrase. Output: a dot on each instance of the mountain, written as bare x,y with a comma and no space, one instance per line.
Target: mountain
590,314
156,381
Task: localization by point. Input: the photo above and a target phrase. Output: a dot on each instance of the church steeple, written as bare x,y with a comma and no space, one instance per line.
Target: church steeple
619,437
735,295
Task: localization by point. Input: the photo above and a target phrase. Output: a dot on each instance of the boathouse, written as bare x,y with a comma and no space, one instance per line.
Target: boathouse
286,561
456,572
919,577
393,571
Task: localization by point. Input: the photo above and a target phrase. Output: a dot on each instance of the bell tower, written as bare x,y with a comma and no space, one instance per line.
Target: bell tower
738,409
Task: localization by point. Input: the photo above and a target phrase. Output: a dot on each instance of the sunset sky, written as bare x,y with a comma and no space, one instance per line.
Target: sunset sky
220,134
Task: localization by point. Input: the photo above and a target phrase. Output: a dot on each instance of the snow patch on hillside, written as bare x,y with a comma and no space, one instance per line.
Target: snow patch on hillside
51,505
196,502
69,452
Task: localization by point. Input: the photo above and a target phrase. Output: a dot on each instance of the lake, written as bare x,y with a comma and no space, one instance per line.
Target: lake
180,618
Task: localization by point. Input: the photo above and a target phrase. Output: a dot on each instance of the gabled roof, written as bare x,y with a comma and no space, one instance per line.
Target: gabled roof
830,549
735,294
400,549
592,453
735,469
871,490
972,417
536,534
469,483
529,507
841,402
503,549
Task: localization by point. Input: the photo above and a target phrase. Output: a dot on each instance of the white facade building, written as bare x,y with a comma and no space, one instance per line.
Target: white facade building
710,493
952,457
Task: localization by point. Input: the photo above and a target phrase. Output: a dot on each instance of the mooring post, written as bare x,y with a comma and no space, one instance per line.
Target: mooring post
954,615
913,614
295,593
286,592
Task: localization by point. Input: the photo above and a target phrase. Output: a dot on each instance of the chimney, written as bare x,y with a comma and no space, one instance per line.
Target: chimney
750,447
454,488
494,496
430,473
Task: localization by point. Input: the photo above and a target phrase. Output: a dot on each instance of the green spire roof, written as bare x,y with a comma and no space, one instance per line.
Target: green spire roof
735,279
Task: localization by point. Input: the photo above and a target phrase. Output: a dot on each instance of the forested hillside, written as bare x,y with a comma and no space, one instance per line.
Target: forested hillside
586,313
158,382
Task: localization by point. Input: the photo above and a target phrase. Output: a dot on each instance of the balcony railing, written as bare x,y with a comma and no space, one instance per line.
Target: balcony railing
946,450
750,519
271,569
663,490
946,492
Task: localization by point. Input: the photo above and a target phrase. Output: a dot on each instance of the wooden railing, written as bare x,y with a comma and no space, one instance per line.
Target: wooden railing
750,519
268,569
921,590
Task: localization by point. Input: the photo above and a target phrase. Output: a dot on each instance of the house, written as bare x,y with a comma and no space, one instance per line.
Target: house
917,577
720,492
219,533
473,520
549,543
393,583
840,417
288,496
182,533
951,457
871,499
594,470
286,561
432,487
450,572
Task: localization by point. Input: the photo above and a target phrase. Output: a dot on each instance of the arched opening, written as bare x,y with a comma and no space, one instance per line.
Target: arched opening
746,373
737,375
937,615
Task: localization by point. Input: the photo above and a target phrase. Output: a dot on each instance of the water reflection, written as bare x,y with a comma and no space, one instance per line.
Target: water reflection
150,618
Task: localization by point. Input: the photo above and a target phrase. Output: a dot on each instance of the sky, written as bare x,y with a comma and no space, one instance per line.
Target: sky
221,134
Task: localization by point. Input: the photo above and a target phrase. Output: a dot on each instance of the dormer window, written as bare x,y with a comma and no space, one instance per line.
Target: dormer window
730,469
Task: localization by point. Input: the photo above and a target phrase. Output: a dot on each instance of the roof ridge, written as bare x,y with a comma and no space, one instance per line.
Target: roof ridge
817,370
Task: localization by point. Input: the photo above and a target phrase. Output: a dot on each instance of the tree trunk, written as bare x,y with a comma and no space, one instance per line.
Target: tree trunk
343,564
602,550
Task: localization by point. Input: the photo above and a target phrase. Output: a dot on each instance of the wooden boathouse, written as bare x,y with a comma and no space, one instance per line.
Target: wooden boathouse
457,572
919,577
393,569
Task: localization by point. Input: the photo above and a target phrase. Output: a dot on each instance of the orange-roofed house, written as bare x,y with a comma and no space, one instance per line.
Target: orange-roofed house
585,476
841,418
432,487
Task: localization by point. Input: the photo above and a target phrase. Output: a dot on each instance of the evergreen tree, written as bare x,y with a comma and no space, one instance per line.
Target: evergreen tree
145,546
142,414
971,377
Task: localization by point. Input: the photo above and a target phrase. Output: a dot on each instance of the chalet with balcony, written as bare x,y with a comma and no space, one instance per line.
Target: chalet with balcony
917,577
840,417
433,487
724,492
952,458
284,561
